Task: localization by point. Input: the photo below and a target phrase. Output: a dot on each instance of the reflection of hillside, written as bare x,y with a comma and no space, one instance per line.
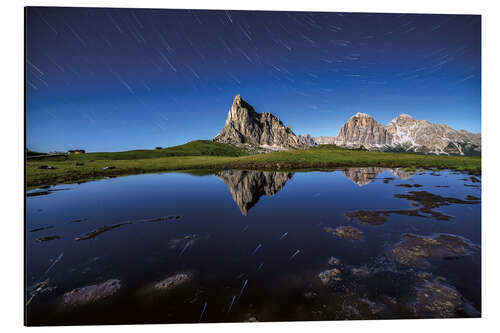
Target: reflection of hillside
363,176
247,187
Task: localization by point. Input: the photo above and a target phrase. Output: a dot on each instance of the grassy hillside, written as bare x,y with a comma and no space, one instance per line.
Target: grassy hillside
193,148
33,153
213,156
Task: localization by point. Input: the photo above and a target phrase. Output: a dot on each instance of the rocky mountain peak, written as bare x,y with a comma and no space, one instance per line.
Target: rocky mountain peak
404,133
307,140
403,120
246,126
405,115
362,130
237,100
362,115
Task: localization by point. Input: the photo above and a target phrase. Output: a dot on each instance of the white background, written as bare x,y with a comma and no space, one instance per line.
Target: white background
12,148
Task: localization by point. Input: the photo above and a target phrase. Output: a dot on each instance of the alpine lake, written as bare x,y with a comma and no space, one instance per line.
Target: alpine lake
235,245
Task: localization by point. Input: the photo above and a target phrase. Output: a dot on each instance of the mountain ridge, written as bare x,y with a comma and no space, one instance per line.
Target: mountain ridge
245,126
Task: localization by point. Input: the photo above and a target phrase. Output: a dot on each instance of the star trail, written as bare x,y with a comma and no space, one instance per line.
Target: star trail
106,79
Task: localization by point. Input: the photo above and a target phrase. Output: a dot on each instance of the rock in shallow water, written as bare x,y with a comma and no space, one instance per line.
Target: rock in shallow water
415,250
435,299
330,275
47,238
425,203
99,231
93,293
173,281
348,232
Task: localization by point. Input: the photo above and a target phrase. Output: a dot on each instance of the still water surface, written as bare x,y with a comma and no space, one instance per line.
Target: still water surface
252,245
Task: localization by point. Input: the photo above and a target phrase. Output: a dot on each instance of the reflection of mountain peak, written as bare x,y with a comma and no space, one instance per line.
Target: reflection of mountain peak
401,173
363,176
247,187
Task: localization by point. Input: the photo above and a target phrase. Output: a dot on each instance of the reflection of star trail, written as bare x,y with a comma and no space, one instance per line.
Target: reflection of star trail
283,61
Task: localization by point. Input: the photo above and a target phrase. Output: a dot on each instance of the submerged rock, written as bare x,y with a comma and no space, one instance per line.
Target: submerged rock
47,238
429,200
38,288
415,250
373,217
173,281
330,275
93,293
160,219
374,307
425,203
436,299
378,217
348,232
99,231
424,275
42,228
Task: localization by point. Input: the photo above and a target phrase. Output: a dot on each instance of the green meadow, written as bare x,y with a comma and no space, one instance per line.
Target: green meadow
207,155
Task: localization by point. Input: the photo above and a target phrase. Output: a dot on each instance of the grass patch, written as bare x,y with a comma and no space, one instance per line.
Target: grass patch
193,148
208,155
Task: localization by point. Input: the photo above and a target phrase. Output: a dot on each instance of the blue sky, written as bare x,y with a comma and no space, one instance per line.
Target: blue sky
120,79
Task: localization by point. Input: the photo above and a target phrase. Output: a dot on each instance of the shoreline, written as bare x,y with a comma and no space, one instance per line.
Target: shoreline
200,155
65,174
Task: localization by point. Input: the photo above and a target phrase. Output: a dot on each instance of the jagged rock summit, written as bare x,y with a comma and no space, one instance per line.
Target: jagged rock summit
362,129
245,126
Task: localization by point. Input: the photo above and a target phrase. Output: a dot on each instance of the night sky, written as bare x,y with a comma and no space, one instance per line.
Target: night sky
120,79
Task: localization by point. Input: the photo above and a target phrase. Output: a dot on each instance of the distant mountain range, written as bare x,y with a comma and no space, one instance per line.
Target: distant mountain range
407,134
265,131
